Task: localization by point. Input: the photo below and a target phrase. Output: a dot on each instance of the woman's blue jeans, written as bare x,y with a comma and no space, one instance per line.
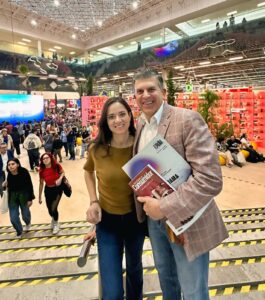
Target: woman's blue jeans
116,234
18,200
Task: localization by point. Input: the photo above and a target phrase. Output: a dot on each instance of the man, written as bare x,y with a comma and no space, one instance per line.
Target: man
5,155
182,265
85,141
32,143
234,146
71,136
6,138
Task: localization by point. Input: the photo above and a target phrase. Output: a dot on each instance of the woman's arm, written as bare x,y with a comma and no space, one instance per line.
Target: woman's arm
94,211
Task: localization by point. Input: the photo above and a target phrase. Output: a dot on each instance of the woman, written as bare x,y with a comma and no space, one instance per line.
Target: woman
20,195
52,174
16,140
114,212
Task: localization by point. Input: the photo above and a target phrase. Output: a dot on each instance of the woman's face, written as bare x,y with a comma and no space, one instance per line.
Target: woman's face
12,166
118,118
46,160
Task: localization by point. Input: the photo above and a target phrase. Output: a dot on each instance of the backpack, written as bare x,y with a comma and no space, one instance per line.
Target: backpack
31,144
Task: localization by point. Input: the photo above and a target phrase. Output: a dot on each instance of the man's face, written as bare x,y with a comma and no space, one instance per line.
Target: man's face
4,133
3,149
149,95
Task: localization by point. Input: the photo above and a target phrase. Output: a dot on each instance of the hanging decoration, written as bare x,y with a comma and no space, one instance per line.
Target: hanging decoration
167,50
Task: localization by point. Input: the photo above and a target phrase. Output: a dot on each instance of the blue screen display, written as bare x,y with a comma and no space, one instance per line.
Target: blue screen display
22,108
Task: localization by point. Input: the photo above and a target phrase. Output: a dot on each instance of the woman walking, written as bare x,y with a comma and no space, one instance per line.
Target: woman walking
52,174
20,195
114,211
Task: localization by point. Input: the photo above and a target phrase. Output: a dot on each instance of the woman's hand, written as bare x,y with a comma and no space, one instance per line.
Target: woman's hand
4,184
58,181
93,214
90,236
29,203
40,201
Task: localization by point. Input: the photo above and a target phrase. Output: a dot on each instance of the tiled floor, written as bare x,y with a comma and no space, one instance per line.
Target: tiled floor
243,188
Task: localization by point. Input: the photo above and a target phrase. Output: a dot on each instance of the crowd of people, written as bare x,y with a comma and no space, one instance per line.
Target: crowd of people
123,220
230,149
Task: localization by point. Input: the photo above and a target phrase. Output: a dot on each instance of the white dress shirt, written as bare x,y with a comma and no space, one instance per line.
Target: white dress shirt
149,130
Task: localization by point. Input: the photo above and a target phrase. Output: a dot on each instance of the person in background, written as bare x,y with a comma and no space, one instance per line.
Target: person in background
224,152
183,265
5,155
16,140
64,140
234,146
32,144
48,142
20,195
114,212
57,147
20,129
51,173
6,138
85,141
71,136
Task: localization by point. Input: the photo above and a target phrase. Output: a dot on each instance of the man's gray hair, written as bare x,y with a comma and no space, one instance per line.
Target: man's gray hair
148,73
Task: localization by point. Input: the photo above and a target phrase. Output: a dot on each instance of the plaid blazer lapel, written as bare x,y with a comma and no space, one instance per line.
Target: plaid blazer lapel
165,120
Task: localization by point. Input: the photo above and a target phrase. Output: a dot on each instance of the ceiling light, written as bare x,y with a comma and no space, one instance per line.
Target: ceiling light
70,77
52,76
33,23
83,30
236,58
178,67
116,76
5,71
130,74
133,42
205,21
147,38
57,47
72,53
76,27
162,33
202,63
82,79
43,78
21,43
260,4
51,49
26,40
120,46
73,36
99,23
103,78
135,4
232,13
56,3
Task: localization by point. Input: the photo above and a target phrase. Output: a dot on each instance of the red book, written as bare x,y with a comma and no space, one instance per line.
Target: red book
148,182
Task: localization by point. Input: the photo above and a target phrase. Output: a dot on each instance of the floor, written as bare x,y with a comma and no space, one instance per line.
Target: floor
242,188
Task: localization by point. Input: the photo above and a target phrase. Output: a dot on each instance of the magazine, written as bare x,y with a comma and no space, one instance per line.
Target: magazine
160,158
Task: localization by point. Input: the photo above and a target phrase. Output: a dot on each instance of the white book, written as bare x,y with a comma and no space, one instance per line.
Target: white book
169,164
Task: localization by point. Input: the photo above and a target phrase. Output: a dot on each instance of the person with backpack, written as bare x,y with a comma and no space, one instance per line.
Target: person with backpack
52,174
32,143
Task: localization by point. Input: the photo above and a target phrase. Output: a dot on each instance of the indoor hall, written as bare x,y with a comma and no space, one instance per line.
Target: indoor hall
59,50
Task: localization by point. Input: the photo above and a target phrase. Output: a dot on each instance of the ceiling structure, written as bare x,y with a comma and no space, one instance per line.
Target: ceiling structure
98,29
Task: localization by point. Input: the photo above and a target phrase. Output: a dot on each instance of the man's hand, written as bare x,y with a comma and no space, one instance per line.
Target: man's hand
29,203
151,207
93,214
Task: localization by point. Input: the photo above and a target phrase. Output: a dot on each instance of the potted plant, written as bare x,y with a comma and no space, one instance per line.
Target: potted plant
170,89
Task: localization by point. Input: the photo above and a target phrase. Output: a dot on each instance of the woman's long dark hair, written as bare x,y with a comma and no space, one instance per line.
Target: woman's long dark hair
16,161
104,136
